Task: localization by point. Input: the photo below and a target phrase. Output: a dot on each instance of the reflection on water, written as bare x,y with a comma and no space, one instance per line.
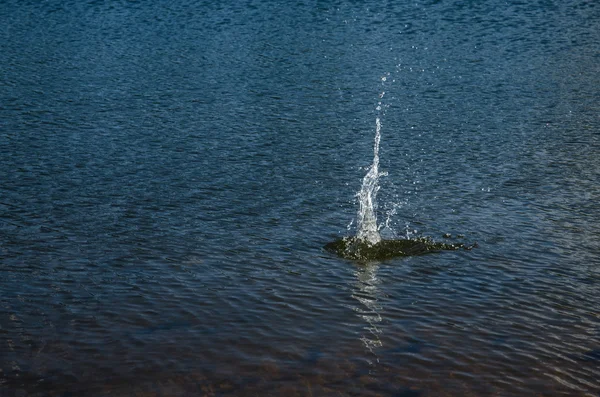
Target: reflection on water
366,292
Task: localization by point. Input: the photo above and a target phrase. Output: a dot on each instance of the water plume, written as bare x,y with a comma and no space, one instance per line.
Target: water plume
367,229
368,245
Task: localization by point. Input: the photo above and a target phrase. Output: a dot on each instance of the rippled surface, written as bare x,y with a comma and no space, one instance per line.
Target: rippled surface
170,171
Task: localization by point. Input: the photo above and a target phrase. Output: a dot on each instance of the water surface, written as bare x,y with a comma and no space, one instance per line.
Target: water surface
170,171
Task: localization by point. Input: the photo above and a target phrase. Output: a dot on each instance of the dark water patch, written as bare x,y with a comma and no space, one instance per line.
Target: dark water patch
360,250
592,356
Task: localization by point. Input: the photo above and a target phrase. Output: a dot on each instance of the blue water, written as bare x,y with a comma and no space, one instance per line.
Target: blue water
170,171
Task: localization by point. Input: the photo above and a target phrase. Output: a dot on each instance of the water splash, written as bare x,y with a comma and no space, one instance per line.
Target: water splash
367,229
368,245
366,221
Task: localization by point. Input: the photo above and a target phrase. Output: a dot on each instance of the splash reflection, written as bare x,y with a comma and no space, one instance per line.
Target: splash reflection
367,293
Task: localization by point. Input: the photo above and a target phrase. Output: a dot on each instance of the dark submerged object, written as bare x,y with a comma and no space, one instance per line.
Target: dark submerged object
361,250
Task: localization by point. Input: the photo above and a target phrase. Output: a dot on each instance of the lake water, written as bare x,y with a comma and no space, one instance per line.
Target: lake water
171,170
